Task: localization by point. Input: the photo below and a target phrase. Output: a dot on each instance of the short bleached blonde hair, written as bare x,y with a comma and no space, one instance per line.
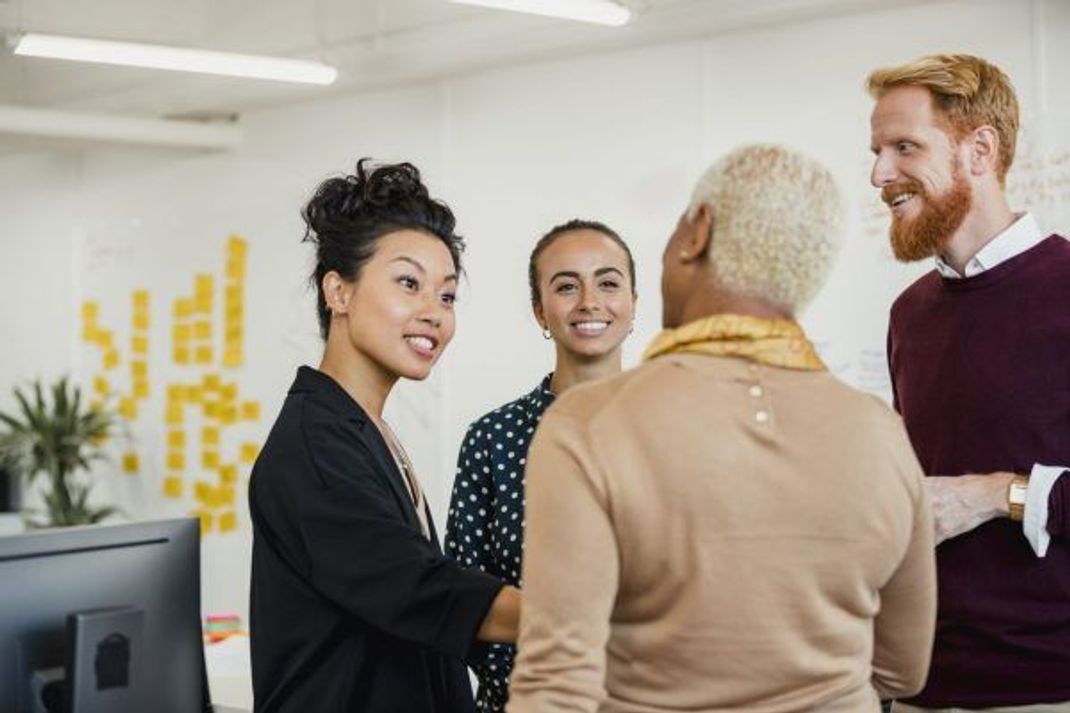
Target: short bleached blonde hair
967,92
778,222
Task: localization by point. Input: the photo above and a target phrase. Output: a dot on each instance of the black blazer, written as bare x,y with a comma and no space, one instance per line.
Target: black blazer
352,608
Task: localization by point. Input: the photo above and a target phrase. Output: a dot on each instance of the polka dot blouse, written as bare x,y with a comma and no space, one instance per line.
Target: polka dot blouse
486,518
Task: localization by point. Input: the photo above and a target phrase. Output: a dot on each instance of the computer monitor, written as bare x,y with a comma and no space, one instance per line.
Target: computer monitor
102,618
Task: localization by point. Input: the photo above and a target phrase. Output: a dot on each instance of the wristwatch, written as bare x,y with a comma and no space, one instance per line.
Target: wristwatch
1016,497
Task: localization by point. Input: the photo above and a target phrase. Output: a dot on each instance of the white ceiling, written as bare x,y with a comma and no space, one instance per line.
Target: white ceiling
372,42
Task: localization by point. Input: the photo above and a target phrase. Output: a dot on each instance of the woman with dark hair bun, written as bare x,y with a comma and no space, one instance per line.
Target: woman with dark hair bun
353,605
582,281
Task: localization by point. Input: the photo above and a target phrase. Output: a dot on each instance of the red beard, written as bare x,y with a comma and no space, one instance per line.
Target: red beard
928,233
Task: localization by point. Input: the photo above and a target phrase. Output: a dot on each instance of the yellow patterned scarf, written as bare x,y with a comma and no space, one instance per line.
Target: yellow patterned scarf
777,342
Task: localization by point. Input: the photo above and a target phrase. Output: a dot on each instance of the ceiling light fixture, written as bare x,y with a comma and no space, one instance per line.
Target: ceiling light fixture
177,59
602,12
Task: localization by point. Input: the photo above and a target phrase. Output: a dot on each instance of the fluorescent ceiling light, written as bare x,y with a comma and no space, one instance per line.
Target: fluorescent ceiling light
602,12
107,128
174,58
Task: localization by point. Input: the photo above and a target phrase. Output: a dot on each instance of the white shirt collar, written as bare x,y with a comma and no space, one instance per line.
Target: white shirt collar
1019,236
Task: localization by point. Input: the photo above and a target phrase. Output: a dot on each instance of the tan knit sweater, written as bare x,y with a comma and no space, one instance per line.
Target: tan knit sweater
709,534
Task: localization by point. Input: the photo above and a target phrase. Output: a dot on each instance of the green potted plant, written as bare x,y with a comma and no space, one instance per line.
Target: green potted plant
58,438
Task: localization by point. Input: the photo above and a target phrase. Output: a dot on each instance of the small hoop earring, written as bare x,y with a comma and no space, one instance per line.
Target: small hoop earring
546,334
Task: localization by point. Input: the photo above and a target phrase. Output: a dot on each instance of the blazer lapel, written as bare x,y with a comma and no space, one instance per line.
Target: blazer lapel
312,380
375,444
432,534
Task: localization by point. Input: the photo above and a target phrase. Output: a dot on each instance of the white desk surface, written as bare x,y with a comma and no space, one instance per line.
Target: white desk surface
230,674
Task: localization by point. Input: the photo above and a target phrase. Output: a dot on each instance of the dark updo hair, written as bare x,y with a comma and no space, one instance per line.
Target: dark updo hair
347,216
556,232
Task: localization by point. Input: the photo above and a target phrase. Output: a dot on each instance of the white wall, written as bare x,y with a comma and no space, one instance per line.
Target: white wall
617,137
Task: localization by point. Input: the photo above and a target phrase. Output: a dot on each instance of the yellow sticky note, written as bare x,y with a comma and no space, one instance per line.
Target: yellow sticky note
105,339
206,520
181,333
111,359
228,415
176,460
229,474
140,321
172,486
210,459
204,492
232,296
176,393
182,355
139,345
235,269
249,451
140,298
128,408
250,410
141,389
194,394
237,245
130,463
101,386
176,439
183,308
202,329
211,382
203,303
210,436
90,333
211,410
174,415
225,495
228,521
203,355
232,358
203,284
139,368
228,392
90,311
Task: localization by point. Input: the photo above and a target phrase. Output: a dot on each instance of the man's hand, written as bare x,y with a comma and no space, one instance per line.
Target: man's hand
961,503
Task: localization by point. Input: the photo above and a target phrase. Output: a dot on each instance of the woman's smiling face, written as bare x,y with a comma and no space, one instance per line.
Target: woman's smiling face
585,295
398,313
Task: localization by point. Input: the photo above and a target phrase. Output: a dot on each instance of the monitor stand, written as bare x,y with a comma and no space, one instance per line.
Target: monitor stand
105,659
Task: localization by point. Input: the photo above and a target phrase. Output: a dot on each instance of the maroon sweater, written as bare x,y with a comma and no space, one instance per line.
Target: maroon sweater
981,374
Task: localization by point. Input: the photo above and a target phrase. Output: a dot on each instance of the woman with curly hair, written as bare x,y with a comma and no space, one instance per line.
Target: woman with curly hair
353,605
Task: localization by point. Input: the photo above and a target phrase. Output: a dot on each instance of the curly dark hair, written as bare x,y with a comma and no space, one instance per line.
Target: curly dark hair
567,227
349,214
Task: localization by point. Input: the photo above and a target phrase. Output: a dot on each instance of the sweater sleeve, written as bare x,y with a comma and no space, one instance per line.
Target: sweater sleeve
570,574
904,628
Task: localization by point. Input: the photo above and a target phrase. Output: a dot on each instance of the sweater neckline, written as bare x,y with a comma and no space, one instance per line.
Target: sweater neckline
1004,269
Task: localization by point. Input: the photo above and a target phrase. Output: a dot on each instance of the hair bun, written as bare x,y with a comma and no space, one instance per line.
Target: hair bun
364,195
387,184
